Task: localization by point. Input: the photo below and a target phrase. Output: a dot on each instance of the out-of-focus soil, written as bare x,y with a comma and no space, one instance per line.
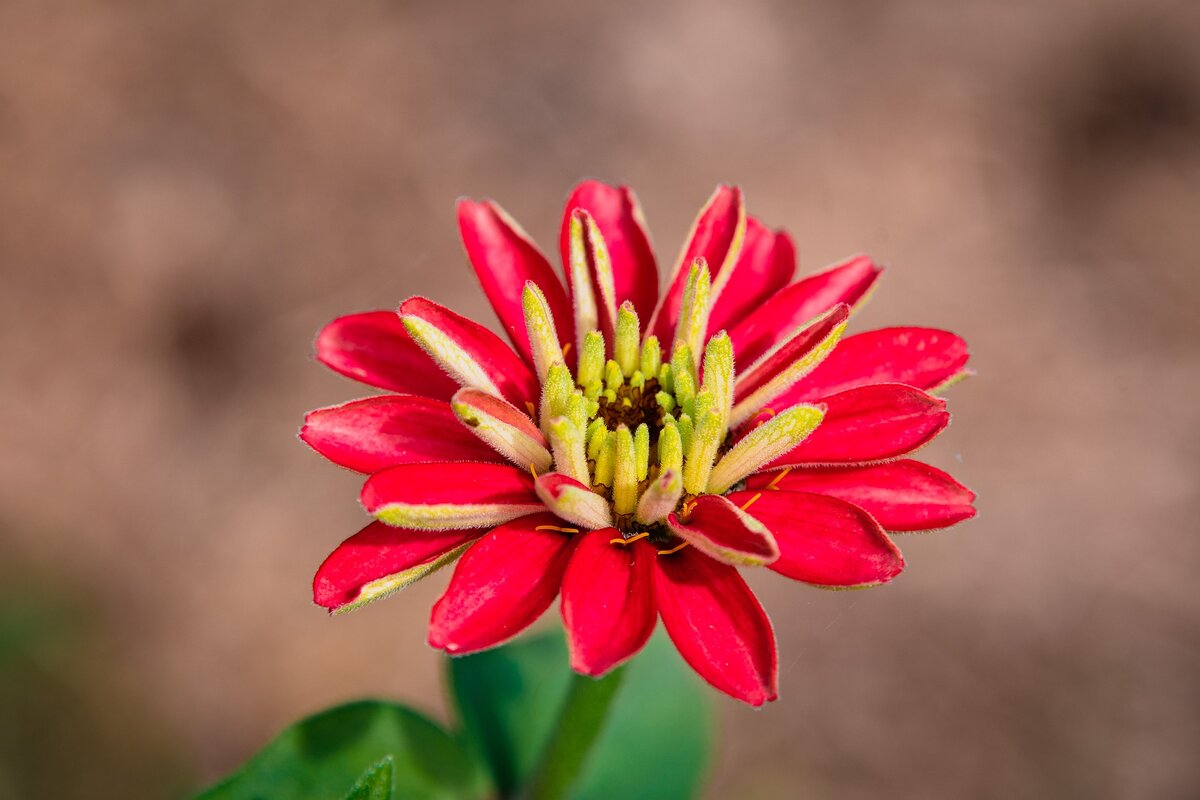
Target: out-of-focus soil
189,191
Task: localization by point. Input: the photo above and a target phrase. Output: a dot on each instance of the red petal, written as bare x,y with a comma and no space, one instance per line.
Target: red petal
901,495
378,552
442,496
717,625
380,432
922,357
799,345
512,376
573,501
723,531
616,211
373,347
505,258
766,265
845,283
608,601
712,236
823,540
871,423
501,585
503,411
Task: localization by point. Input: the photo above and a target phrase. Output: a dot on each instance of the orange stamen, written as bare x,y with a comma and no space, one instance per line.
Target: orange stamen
770,412
750,502
566,349
674,549
533,471
556,528
774,485
630,540
532,410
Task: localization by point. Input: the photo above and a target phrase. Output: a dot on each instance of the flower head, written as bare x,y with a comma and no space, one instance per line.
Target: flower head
632,452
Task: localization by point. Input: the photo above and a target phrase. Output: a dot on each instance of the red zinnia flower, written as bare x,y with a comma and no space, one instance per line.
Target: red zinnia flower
617,457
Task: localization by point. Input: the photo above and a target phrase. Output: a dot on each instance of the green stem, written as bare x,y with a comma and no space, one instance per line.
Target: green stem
578,726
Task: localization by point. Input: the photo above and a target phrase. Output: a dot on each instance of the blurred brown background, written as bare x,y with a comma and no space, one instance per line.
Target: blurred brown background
188,191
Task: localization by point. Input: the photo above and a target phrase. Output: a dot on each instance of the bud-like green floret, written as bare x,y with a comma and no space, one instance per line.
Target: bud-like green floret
718,374
603,474
670,448
591,359
566,442
641,448
556,393
613,377
625,480
651,356
698,464
693,311
625,346
685,431
539,324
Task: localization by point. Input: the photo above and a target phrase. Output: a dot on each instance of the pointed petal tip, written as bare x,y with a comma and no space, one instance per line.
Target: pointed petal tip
726,533
375,433
379,561
608,606
442,496
592,184
375,348
718,626
493,596
503,256
825,541
413,305
573,501
728,190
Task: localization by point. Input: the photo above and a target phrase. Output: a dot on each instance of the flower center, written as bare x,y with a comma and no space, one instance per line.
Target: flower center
632,406
639,432
638,436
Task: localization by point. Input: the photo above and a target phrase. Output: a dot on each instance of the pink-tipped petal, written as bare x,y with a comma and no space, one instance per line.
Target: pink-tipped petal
847,283
379,560
878,422
617,213
506,429
446,496
903,495
715,236
925,358
766,265
573,501
723,531
717,624
608,601
379,432
473,355
501,585
823,540
373,347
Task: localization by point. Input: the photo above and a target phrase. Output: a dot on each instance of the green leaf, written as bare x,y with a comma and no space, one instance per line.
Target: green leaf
654,744
320,756
659,734
508,699
375,783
